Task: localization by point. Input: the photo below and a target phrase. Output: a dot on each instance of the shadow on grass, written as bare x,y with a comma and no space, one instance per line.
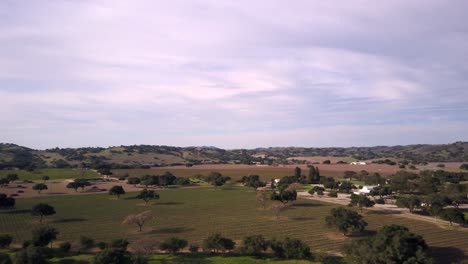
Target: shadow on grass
447,254
72,261
386,212
69,220
186,259
363,234
14,212
303,218
168,203
306,205
171,230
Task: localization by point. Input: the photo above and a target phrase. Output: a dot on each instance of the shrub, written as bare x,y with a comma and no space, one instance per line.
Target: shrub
65,247
333,194
254,245
173,245
216,243
5,241
380,201
290,249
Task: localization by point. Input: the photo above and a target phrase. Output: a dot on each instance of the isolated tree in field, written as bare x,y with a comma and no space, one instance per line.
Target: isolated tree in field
392,244
39,187
117,190
42,210
454,215
350,175
173,245
254,245
138,219
12,177
345,220
253,181
284,196
73,185
147,195
6,202
278,209
361,201
134,181
82,183
217,242
262,198
5,241
411,202
45,178
44,235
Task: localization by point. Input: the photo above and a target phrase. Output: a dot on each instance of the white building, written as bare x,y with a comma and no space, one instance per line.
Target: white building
365,189
358,163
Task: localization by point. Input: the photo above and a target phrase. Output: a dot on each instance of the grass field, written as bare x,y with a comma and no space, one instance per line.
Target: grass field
54,174
195,213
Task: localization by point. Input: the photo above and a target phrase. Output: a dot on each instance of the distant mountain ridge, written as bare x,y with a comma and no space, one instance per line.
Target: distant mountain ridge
142,156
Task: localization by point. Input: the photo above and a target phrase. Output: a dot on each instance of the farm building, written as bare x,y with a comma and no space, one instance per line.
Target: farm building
365,190
358,163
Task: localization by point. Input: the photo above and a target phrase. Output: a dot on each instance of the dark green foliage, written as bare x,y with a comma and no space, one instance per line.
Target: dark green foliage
5,240
434,203
112,256
42,210
104,171
254,245
346,187
193,248
119,243
453,215
65,247
316,189
182,181
253,181
147,195
392,244
298,173
5,259
381,191
43,236
6,202
289,248
373,179
411,202
314,175
345,220
361,201
139,259
350,175
326,162
86,242
216,243
284,196
117,190
173,245
31,255
333,194
39,187
216,179
12,177
464,166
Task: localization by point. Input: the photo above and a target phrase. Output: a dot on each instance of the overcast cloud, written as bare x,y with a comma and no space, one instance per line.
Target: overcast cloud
233,73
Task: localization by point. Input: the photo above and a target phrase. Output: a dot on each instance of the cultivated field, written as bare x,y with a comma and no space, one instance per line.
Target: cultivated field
194,213
54,174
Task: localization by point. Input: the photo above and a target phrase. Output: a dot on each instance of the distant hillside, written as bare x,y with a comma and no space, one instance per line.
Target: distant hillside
142,156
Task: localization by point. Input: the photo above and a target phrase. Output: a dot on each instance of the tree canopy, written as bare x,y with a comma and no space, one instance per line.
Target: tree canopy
345,220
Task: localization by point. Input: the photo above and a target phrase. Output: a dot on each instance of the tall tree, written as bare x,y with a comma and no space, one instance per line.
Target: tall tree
42,210
117,190
39,187
147,195
345,220
138,219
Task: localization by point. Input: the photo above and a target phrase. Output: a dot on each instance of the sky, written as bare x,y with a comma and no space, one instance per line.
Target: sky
233,74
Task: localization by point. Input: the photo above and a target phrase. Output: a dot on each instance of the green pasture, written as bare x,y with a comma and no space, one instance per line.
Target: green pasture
195,213
54,174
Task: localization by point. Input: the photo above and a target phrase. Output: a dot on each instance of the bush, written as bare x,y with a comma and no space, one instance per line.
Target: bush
86,242
111,256
5,258
254,245
102,245
31,255
120,244
194,248
441,165
333,194
290,249
173,245
5,241
380,201
65,247
216,243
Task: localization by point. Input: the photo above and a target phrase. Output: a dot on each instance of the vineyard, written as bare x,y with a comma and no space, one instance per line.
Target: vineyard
195,213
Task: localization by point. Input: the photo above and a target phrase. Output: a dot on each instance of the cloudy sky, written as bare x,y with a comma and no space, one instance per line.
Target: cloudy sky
233,73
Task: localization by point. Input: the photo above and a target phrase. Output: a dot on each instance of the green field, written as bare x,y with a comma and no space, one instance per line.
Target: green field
195,213
54,174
